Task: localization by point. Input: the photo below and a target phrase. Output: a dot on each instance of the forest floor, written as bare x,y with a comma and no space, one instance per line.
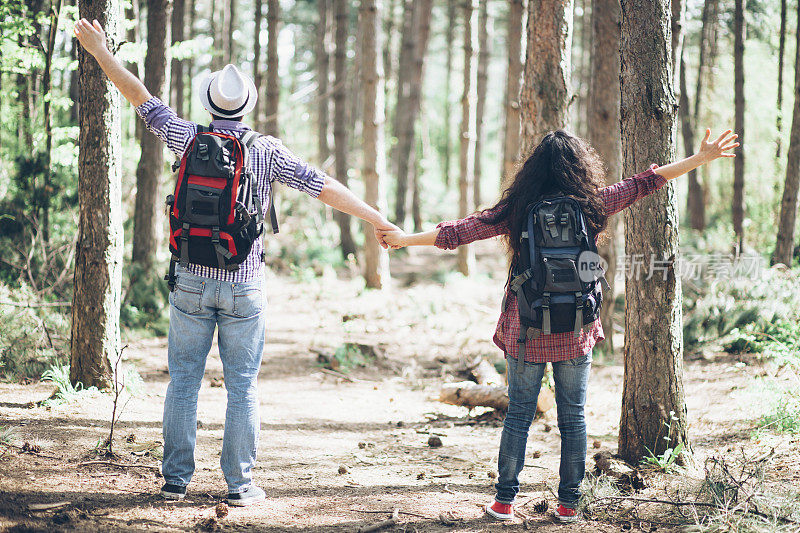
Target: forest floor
336,454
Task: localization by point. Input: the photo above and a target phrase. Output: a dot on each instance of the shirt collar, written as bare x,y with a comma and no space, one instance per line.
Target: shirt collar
231,125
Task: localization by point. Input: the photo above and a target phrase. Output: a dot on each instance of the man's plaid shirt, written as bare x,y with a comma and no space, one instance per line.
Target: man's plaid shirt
270,161
557,346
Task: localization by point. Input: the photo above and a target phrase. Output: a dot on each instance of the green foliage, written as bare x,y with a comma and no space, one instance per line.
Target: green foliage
144,307
65,392
666,462
350,355
785,417
31,338
7,434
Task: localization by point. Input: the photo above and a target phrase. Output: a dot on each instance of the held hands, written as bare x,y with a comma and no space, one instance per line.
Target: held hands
720,147
91,36
395,239
382,229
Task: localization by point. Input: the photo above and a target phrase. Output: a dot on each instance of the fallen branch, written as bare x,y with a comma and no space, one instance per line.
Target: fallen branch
337,374
46,506
383,524
36,304
470,394
118,465
407,513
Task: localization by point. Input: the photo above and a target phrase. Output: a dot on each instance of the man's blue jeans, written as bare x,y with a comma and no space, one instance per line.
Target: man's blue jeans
197,306
571,378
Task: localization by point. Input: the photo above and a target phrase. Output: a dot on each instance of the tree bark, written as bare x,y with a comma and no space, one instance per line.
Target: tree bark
696,204
448,89
737,206
410,87
232,22
189,63
676,23
132,36
653,404
779,106
603,130
788,215
273,82
98,259
258,72
376,259
177,78
513,77
151,162
340,126
545,94
323,36
466,160
388,58
480,103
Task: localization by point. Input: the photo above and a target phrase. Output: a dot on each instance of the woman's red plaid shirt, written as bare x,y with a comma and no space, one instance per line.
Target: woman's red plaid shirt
557,346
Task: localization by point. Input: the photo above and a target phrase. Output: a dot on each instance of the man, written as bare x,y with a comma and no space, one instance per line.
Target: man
205,298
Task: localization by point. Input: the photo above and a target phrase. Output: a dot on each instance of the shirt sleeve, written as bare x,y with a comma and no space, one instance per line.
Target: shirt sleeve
161,120
284,166
620,195
454,233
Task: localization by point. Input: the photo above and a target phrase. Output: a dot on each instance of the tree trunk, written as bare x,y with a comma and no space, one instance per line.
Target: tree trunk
676,23
466,160
388,58
218,22
132,14
696,204
340,126
482,82
95,334
189,63
232,23
779,106
410,87
653,404
148,207
603,130
258,72
737,206
177,75
513,76
273,81
448,90
786,222
376,259
545,94
55,12
323,36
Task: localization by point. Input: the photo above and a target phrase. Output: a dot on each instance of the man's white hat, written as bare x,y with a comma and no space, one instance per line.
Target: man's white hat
228,93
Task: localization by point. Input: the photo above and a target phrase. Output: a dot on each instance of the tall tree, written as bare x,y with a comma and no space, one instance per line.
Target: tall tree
231,24
480,103
653,407
545,94
414,47
323,68
189,63
95,334
258,72
151,162
376,260
513,76
603,129
176,74
737,207
55,12
448,87
788,215
340,126
466,159
273,81
132,36
781,53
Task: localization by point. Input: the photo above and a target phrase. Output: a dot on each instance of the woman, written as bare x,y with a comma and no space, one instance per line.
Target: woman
562,164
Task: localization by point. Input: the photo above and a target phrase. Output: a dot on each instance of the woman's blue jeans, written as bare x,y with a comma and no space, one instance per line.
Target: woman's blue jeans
198,306
571,378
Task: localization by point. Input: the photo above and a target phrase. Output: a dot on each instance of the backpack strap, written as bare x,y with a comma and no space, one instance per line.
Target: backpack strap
247,140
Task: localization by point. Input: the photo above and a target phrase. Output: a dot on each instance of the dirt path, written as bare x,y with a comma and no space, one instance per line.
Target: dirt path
375,430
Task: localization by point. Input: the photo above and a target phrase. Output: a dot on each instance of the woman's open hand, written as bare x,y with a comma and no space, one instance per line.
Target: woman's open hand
91,36
720,147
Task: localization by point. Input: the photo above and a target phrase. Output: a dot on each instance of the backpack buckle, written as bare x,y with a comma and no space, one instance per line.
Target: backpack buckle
202,151
176,165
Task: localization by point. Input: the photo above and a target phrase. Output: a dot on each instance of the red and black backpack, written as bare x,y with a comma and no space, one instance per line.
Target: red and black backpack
215,214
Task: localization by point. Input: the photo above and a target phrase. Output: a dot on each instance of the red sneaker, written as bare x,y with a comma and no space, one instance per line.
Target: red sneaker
565,514
501,511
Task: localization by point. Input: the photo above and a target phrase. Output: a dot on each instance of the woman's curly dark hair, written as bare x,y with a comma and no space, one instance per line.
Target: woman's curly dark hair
562,164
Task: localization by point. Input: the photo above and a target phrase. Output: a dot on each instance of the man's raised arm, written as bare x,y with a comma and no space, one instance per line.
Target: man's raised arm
93,38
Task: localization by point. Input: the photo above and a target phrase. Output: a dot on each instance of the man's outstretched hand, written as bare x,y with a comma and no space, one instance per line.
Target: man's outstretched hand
381,229
91,36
